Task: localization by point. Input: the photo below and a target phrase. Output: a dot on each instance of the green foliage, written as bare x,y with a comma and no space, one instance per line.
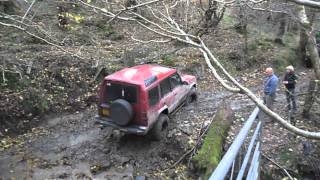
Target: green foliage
286,55
228,62
284,58
209,156
115,36
111,68
288,157
167,60
35,102
318,35
263,44
109,31
101,24
14,82
227,20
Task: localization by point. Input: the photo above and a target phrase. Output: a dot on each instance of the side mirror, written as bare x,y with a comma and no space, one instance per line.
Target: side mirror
185,83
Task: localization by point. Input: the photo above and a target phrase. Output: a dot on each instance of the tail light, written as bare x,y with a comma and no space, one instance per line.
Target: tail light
144,116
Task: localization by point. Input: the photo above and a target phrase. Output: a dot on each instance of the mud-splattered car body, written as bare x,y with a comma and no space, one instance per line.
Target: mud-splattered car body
133,99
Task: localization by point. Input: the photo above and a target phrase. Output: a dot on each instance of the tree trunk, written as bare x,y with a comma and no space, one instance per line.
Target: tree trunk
210,153
302,54
282,29
314,57
310,98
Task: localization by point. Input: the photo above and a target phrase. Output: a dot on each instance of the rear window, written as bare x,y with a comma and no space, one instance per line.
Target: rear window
153,96
119,91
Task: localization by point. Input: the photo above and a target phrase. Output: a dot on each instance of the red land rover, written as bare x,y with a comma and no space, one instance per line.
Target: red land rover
139,99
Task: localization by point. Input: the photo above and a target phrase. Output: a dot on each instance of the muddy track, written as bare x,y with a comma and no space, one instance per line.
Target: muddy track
71,146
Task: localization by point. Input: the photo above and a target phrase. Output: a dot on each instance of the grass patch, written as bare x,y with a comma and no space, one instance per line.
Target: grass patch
36,102
286,55
229,62
288,158
227,20
168,60
109,31
261,44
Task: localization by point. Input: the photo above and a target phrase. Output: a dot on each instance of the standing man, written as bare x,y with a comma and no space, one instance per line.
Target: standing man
270,87
289,81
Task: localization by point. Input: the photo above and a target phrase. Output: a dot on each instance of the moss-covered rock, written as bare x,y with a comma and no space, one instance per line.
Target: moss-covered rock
209,155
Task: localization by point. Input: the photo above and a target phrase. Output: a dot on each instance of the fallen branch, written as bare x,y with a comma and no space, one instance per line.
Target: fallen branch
278,165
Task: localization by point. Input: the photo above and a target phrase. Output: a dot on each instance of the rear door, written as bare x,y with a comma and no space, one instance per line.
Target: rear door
179,90
167,95
154,105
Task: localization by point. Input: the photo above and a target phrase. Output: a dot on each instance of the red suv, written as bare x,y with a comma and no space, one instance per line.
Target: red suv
139,99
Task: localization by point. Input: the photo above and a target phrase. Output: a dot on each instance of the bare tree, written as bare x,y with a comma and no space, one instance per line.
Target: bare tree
308,32
173,31
213,14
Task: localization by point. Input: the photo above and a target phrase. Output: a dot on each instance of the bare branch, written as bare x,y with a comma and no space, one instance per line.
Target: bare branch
282,168
150,41
31,5
140,5
42,39
313,4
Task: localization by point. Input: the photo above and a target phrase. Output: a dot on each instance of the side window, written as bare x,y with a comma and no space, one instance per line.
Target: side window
153,96
175,80
165,87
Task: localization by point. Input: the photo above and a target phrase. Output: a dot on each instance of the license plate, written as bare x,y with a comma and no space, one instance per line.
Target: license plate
105,112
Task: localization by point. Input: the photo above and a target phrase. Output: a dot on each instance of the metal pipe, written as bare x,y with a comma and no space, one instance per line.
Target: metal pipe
255,157
227,160
256,167
232,170
247,156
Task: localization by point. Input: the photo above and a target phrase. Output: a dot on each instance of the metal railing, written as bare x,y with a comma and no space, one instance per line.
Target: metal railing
226,167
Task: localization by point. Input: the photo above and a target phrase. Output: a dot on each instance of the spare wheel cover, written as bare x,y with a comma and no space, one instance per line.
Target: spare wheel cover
121,112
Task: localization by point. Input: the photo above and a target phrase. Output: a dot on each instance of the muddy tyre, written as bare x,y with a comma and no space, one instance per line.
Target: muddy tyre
121,112
160,129
192,96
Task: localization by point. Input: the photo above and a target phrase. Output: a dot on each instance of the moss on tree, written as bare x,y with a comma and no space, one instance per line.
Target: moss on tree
209,155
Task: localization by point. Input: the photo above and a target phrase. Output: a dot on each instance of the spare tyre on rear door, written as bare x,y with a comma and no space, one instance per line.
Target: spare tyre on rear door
121,112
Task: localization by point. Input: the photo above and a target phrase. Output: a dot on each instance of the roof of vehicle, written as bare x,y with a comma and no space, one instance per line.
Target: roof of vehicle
144,74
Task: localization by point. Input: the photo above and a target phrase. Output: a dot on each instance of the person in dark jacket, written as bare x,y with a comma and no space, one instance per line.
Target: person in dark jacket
290,80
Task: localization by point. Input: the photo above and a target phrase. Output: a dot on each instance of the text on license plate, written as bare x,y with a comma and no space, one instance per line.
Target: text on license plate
105,112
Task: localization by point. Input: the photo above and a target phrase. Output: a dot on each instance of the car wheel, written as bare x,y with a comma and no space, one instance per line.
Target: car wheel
160,129
192,96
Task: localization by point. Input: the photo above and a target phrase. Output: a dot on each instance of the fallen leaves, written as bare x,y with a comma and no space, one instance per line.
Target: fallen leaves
8,142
